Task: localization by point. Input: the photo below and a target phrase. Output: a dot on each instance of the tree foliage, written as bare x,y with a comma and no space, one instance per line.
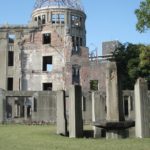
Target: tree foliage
143,16
133,62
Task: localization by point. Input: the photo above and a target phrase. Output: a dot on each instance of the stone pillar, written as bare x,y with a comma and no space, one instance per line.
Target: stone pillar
25,110
112,99
12,99
2,98
75,112
98,112
142,109
61,114
19,114
114,103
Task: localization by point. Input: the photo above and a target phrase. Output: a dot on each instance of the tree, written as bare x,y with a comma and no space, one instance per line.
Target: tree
143,16
133,62
145,63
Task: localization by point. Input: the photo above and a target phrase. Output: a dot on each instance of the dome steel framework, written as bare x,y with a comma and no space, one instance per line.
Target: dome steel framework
73,4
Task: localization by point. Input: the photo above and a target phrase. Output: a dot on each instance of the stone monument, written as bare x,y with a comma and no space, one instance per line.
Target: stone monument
75,112
115,124
142,109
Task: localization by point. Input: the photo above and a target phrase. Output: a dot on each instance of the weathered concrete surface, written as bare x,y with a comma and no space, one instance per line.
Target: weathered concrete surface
61,114
75,112
142,109
98,111
2,97
46,107
112,96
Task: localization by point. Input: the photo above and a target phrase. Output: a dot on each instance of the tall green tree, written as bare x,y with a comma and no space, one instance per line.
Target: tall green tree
133,62
143,16
145,63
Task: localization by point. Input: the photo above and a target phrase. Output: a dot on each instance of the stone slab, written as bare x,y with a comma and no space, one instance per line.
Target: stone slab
75,112
61,114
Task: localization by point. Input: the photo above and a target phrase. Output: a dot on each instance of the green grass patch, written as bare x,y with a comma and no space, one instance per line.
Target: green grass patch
23,137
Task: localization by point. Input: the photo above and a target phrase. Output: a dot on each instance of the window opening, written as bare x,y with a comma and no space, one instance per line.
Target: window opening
43,19
94,85
11,38
75,21
54,18
76,43
39,19
10,84
47,63
76,74
47,38
11,47
126,109
58,18
35,19
35,105
10,58
47,86
62,18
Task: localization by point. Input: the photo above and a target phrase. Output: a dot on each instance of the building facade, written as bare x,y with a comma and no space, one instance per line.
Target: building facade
50,53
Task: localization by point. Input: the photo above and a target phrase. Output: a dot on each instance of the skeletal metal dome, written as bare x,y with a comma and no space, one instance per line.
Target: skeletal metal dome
72,4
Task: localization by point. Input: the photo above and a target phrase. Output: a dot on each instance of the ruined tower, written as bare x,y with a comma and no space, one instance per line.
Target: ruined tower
48,48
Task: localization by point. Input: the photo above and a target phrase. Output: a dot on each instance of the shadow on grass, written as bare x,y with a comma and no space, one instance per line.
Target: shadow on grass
88,133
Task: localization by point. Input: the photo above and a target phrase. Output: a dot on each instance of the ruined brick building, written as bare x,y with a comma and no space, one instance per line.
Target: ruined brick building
49,54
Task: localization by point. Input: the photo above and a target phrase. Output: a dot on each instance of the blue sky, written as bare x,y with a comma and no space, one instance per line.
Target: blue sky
106,19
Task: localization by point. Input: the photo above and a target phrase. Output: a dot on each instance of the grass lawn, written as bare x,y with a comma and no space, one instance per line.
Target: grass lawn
22,137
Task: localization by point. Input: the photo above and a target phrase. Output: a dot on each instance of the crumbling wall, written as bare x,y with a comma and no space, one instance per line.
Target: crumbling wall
32,61
14,70
46,107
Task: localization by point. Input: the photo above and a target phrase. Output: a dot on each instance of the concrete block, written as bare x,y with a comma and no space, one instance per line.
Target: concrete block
98,111
112,95
142,111
61,114
75,112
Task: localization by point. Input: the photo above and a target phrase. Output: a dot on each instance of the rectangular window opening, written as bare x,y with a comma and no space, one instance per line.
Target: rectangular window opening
54,18
47,63
76,75
39,19
126,109
47,86
62,18
10,84
10,58
43,19
11,47
58,18
47,38
94,85
35,19
11,38
35,105
76,21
